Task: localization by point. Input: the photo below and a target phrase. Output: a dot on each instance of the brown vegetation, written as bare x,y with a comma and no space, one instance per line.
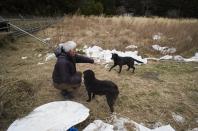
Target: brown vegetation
148,96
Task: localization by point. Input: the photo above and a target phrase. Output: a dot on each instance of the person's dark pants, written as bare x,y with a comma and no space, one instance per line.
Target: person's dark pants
66,87
67,91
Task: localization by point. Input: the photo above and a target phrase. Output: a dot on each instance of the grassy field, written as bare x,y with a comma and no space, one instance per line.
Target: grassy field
118,32
148,96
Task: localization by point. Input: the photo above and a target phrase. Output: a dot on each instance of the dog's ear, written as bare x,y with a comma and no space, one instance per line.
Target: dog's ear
85,72
89,75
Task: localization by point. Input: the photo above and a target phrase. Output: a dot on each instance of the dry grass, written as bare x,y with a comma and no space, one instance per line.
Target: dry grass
148,96
118,32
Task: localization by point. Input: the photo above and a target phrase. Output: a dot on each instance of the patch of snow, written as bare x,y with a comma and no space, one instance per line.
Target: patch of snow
159,48
142,124
39,55
99,125
47,39
178,58
61,44
152,58
50,56
54,116
40,63
107,66
24,57
166,57
164,50
178,118
194,129
97,61
131,47
157,124
164,128
192,59
85,47
170,50
99,54
122,124
196,119
157,36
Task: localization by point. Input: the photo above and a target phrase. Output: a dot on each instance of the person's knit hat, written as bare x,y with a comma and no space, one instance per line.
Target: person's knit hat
67,46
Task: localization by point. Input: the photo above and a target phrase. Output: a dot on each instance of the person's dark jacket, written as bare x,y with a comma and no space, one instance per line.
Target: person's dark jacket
65,68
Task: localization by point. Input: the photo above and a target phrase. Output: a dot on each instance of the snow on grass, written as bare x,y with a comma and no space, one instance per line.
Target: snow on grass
50,56
164,50
180,58
194,129
131,47
157,36
47,39
104,56
192,59
39,55
24,57
99,125
178,118
122,124
166,57
40,63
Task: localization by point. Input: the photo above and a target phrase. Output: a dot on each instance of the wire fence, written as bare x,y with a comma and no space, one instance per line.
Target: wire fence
28,25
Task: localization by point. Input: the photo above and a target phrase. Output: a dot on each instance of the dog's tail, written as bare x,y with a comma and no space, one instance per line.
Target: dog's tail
138,61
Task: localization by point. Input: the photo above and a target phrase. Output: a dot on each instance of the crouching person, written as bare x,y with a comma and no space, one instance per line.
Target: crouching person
65,77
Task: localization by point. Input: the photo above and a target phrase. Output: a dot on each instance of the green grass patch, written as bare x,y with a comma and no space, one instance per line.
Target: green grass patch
165,67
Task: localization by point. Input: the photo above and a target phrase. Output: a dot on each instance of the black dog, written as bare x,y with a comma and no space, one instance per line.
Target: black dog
129,61
100,87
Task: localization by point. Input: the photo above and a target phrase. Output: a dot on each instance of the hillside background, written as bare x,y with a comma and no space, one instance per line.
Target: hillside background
165,8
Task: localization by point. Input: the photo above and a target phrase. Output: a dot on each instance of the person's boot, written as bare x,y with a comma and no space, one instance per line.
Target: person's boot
66,94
